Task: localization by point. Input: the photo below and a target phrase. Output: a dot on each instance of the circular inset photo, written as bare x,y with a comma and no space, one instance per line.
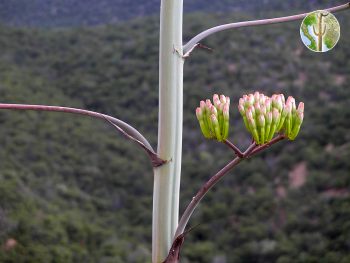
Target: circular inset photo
320,31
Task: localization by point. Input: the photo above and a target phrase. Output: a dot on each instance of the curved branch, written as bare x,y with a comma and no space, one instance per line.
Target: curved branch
234,148
81,112
213,30
192,206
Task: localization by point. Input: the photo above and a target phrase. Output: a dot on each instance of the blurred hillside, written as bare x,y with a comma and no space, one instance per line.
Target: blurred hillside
73,13
73,189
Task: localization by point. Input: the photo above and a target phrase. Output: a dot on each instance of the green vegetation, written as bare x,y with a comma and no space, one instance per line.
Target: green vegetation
72,189
73,13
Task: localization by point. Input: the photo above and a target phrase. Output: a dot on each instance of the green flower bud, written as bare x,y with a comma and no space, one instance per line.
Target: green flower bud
216,102
298,122
285,112
283,99
275,120
228,101
268,104
220,116
242,112
203,107
199,114
208,113
215,123
226,122
253,128
273,97
249,114
262,128
300,118
214,111
202,124
262,99
245,104
268,125
278,103
269,117
300,107
288,122
252,109
263,110
257,108
249,100
241,102
227,106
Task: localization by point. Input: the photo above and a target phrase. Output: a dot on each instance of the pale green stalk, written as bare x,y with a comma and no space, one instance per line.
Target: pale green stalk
167,177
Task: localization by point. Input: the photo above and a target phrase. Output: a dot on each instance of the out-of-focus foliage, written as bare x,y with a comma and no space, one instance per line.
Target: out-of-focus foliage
72,189
72,13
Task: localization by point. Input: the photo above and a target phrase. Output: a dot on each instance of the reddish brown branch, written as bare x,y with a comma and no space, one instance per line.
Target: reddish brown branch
262,147
233,147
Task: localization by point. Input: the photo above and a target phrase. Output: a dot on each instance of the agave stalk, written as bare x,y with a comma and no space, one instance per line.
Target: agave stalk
167,177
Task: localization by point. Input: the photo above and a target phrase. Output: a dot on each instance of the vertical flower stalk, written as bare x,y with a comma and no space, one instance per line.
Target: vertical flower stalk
167,177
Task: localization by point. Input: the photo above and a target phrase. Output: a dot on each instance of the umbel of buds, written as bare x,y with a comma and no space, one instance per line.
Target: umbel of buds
214,119
263,116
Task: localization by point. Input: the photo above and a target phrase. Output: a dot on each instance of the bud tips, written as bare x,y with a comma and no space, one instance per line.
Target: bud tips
214,119
270,115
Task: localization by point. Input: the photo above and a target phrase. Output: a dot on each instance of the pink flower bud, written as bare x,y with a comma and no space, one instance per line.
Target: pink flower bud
256,96
278,103
203,107
199,114
262,99
226,114
226,106
275,116
215,96
252,109
228,100
222,99
214,120
262,121
249,114
216,102
269,117
268,104
249,100
283,99
299,119
241,110
213,110
301,107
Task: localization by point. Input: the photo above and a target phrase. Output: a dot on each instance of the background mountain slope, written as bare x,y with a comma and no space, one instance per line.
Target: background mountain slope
73,13
72,189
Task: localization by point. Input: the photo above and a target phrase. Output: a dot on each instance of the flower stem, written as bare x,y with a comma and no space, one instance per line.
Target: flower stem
216,29
120,123
192,206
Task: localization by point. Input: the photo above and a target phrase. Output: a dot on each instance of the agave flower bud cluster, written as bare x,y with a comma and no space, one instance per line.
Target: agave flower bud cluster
263,116
214,119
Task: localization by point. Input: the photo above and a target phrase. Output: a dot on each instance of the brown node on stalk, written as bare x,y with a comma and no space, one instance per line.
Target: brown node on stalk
155,159
174,253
